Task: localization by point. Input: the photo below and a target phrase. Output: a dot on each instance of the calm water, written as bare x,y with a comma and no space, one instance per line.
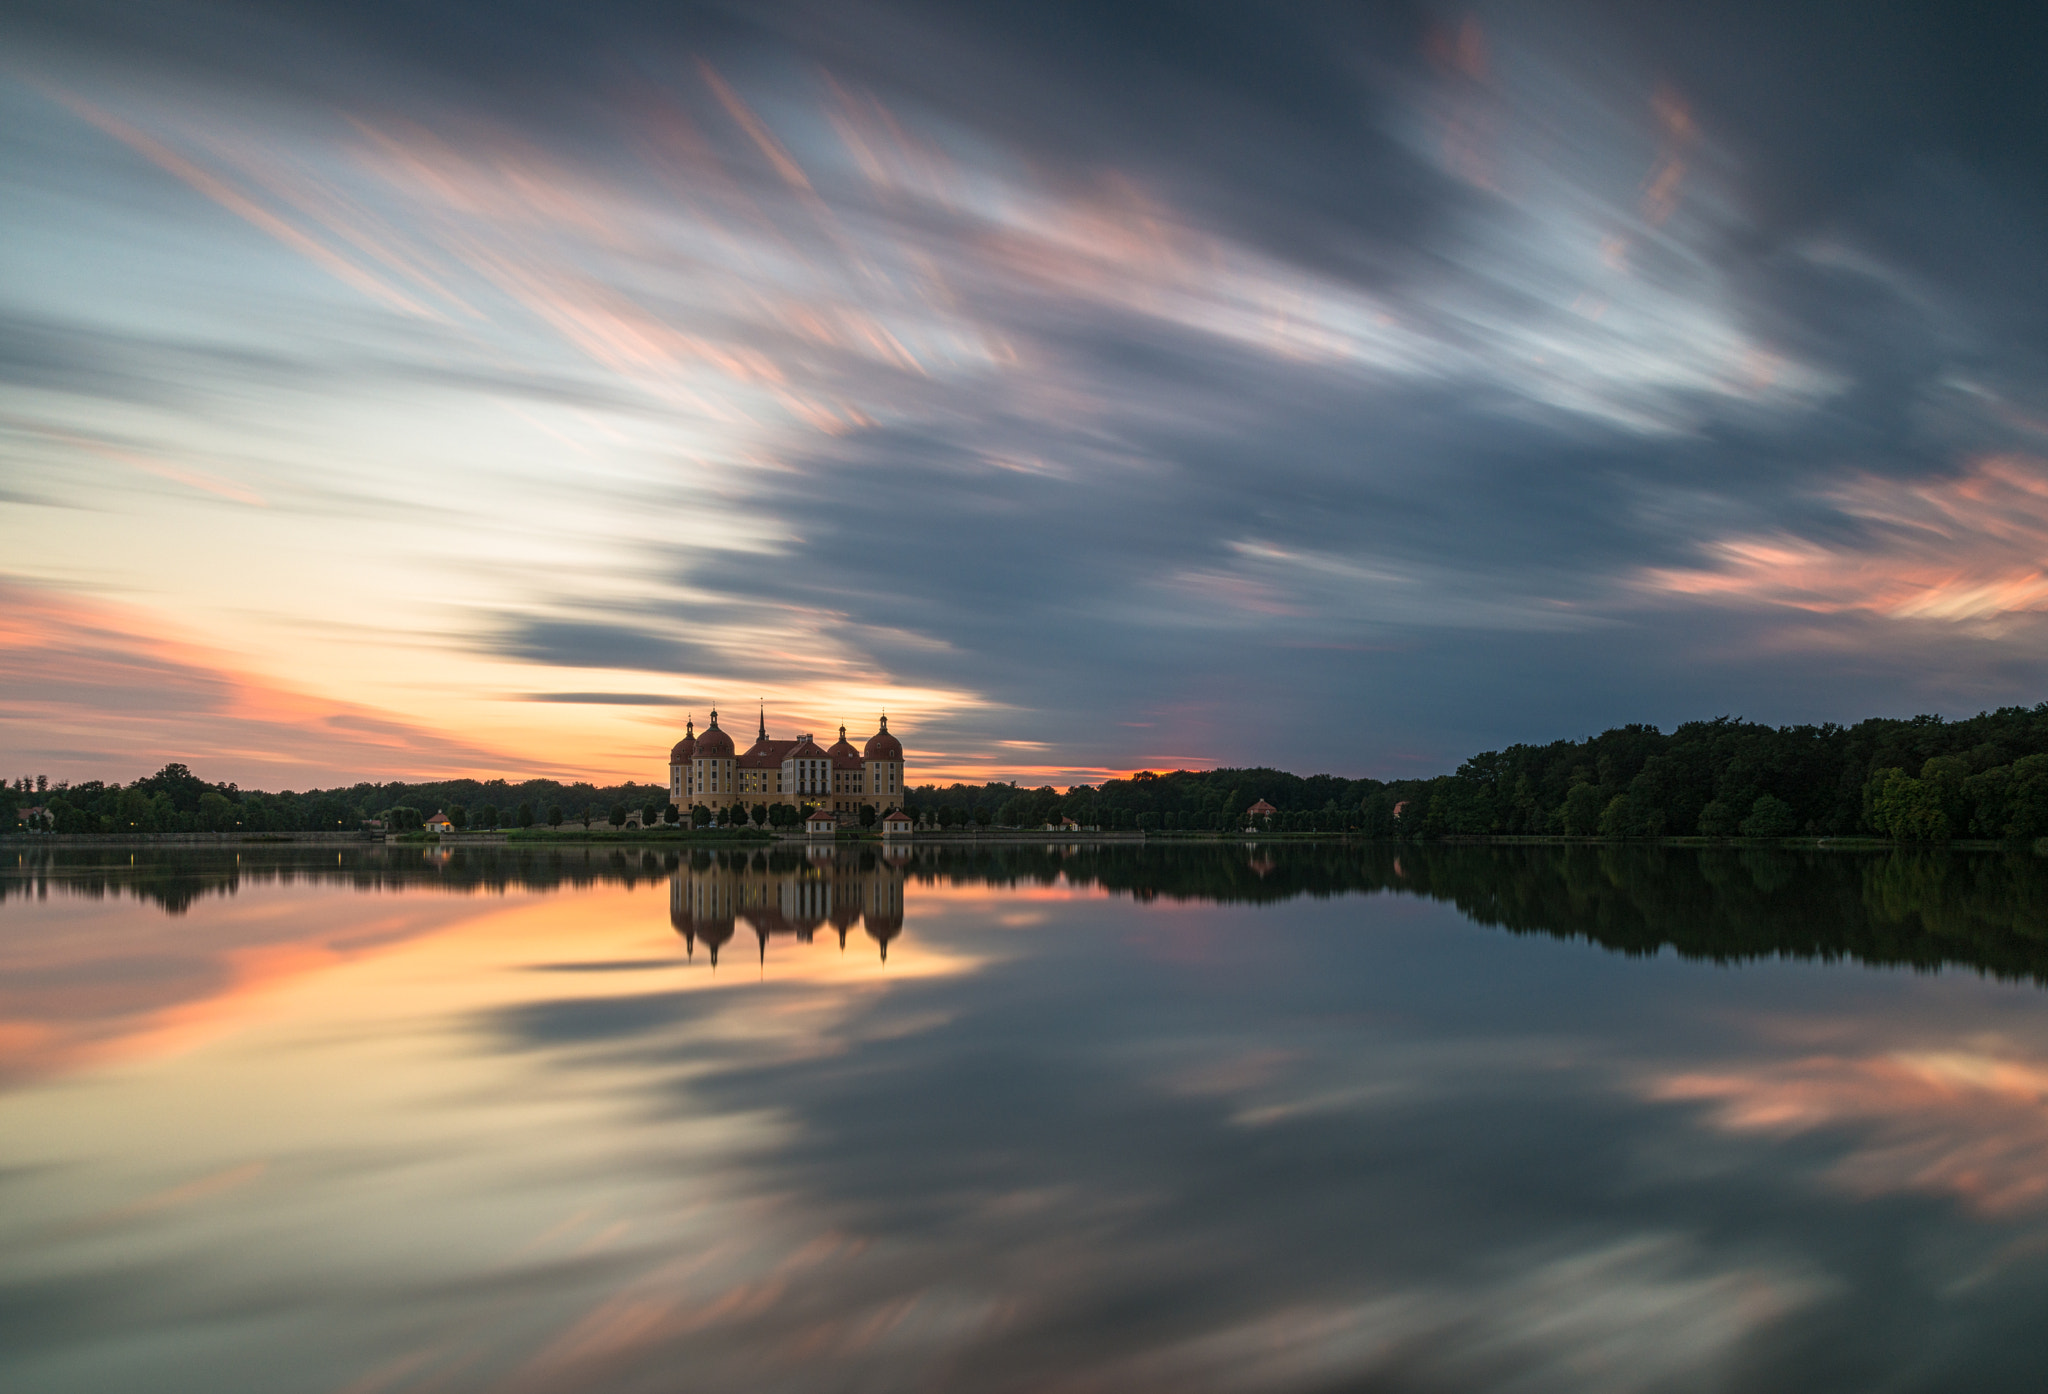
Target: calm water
1199,1119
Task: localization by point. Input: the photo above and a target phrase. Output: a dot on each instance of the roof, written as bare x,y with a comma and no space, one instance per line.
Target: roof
883,746
843,746
683,751
805,749
850,760
714,744
821,815
1262,807
897,814
766,755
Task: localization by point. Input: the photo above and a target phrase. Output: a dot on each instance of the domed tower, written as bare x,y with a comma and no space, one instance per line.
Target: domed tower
711,765
679,757
882,763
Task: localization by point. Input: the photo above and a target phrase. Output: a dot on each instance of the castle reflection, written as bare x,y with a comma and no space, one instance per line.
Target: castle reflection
788,892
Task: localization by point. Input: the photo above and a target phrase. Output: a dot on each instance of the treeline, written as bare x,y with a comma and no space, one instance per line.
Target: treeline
1918,780
174,799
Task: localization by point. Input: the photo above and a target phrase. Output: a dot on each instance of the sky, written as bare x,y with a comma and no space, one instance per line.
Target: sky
396,391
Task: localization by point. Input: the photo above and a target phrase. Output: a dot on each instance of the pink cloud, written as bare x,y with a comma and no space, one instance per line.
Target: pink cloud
1970,548
93,689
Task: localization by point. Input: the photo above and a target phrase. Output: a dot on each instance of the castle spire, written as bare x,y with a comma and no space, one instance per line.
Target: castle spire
764,721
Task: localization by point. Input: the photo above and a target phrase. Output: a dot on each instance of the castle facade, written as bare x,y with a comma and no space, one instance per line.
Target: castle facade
707,769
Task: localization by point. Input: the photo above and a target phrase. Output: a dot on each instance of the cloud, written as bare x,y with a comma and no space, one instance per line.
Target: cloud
1968,549
92,689
1272,374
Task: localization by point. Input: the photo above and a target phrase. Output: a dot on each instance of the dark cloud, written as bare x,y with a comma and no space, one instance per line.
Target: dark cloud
1159,511
569,643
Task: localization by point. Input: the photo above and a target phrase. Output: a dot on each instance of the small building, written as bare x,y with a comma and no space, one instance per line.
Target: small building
1259,812
439,824
897,823
1064,825
821,822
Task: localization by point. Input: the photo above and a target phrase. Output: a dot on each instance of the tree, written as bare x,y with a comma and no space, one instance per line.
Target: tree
1770,816
671,815
867,815
1904,808
458,815
1581,810
1717,820
618,815
526,815
554,815
700,816
760,815
487,816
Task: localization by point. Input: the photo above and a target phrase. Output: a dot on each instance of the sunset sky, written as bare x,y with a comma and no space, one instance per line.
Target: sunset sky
395,390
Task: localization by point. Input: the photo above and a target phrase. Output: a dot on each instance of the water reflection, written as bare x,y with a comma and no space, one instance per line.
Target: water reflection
791,893
1920,908
1222,1118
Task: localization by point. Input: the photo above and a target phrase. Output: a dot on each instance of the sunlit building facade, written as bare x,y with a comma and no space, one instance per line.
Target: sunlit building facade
707,769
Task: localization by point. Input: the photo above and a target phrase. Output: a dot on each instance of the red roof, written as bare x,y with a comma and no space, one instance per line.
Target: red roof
1261,809
821,815
714,744
683,751
844,747
766,755
805,749
883,746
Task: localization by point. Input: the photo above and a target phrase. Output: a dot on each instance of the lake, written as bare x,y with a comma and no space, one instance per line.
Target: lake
1189,1118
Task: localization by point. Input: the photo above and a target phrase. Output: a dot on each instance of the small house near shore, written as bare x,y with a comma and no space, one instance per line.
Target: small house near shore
821,822
896,823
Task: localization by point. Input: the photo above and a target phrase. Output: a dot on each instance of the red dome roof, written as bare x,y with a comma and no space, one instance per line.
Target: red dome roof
883,746
682,751
714,744
842,746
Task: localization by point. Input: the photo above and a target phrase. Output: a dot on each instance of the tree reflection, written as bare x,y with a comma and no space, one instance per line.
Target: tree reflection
1920,907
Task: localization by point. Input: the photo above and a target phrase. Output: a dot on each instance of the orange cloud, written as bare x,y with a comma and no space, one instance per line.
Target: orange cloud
92,689
1971,548
1963,1123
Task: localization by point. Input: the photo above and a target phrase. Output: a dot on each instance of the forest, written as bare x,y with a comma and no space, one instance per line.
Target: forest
1921,779
1916,780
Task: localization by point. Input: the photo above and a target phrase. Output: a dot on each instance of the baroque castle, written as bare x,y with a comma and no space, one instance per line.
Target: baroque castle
706,769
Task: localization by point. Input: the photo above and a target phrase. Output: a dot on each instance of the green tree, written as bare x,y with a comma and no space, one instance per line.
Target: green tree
458,815
1770,816
526,815
867,815
1717,819
1581,811
554,815
487,816
618,815
1618,819
1905,808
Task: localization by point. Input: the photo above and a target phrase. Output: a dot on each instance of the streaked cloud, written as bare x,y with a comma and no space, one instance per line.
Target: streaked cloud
1281,373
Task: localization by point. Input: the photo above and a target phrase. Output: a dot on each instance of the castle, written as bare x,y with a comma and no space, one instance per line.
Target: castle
707,770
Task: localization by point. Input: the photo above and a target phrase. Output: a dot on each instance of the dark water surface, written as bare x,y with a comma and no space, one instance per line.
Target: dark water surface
1123,1119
